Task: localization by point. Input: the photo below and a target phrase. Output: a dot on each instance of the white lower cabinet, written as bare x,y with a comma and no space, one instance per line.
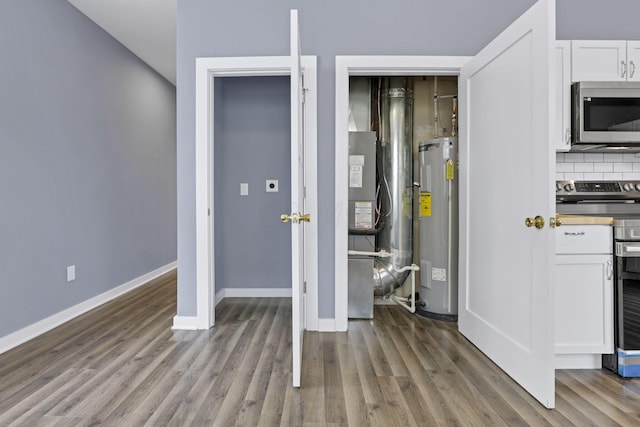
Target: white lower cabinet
584,296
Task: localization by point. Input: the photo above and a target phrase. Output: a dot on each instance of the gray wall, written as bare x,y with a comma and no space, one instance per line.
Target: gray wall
335,27
252,134
87,162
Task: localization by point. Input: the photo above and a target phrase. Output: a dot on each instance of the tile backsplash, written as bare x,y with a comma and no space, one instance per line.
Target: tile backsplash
598,166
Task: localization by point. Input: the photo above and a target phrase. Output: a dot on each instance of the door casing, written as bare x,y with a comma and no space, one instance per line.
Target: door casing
207,69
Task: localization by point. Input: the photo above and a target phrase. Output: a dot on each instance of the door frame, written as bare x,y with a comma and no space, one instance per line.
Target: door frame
347,66
207,69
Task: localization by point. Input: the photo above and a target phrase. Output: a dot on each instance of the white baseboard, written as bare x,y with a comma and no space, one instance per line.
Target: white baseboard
578,361
327,325
251,293
255,292
186,323
219,296
25,334
191,322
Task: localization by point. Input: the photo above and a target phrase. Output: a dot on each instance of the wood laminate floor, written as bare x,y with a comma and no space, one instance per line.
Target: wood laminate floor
122,365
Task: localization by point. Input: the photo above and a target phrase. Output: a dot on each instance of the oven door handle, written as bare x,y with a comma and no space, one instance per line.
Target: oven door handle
609,269
628,249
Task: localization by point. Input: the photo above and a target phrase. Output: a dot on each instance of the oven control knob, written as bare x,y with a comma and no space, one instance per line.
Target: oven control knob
627,187
559,186
568,187
638,187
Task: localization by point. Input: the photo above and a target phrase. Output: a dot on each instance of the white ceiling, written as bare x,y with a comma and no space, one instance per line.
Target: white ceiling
146,27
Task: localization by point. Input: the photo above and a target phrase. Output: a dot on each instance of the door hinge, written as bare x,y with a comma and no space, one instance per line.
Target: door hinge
208,212
304,287
304,192
304,95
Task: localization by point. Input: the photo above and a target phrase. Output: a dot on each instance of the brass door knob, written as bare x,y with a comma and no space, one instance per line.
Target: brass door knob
538,222
295,218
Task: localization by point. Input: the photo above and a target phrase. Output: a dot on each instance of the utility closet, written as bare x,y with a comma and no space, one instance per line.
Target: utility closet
403,195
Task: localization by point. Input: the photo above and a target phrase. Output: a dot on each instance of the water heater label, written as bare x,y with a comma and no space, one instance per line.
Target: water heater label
425,204
363,220
450,170
439,274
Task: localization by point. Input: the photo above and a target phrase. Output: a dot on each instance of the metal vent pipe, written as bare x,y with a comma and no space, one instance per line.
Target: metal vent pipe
396,176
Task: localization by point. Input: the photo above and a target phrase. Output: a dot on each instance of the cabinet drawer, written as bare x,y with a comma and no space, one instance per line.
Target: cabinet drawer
584,239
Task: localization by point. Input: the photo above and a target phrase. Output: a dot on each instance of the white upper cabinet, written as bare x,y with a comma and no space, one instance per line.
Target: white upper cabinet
605,60
562,126
633,59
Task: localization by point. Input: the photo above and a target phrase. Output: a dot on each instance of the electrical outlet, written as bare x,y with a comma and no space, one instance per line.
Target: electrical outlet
272,186
244,188
71,273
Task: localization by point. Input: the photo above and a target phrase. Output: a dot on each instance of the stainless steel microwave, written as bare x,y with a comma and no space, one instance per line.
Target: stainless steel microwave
605,115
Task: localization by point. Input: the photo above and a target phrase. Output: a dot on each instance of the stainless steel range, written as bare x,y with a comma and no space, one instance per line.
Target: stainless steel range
620,200
596,198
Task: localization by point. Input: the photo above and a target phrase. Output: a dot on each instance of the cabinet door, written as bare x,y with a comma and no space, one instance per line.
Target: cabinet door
584,304
633,60
598,60
562,127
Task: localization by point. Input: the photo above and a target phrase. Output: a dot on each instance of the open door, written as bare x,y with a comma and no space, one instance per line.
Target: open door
507,166
297,217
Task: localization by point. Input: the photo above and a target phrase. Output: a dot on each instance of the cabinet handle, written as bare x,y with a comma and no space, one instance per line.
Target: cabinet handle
609,269
574,233
623,66
632,69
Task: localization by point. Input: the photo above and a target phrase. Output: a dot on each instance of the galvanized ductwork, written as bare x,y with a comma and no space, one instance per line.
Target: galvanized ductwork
396,138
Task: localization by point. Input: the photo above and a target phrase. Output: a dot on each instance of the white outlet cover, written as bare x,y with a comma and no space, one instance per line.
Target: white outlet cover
244,188
71,273
272,186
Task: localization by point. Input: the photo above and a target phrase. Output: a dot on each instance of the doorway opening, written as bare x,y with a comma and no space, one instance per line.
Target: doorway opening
252,127
208,71
356,106
403,194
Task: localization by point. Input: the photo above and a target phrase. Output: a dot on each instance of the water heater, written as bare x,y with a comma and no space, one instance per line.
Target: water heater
439,229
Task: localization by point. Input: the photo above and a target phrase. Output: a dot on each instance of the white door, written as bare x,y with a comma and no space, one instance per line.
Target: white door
506,164
297,201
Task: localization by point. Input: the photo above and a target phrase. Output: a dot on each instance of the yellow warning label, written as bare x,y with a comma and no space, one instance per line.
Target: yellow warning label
405,206
450,170
425,204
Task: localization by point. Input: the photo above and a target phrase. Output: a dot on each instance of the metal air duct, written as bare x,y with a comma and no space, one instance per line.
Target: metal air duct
396,176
